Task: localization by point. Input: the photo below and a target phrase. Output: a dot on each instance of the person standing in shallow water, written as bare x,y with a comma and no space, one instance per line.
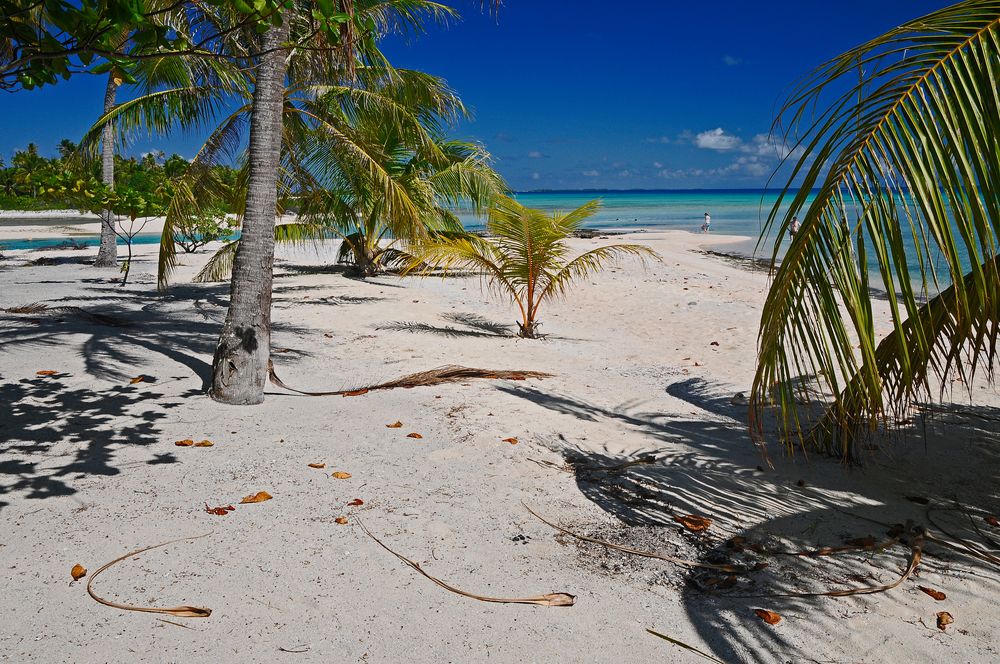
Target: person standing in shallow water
707,224
794,228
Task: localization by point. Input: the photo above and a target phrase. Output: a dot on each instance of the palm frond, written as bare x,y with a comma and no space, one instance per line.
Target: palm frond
904,162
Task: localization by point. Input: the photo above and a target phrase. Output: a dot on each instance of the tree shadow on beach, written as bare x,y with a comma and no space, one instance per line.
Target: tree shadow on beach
703,463
52,433
472,326
182,325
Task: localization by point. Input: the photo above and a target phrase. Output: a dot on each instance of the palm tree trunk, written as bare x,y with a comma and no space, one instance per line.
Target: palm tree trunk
107,255
239,370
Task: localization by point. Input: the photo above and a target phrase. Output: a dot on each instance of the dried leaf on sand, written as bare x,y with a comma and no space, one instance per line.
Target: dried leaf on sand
414,435
936,594
770,617
341,475
447,374
187,442
258,497
395,425
78,572
46,372
549,599
357,502
317,465
944,619
204,443
221,510
342,520
179,611
695,524
511,440
138,379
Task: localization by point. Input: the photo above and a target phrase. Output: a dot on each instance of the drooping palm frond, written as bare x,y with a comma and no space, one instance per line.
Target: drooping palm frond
905,162
220,266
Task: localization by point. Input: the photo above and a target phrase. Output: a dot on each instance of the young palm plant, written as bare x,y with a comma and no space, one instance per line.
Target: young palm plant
905,170
526,257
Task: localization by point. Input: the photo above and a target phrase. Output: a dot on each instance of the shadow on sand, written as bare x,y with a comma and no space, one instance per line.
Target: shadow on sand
703,463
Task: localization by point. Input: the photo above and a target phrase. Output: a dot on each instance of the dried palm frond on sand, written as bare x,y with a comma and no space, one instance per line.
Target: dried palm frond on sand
450,373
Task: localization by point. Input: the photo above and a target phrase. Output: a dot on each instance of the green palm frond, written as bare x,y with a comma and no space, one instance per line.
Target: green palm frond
525,259
220,266
904,162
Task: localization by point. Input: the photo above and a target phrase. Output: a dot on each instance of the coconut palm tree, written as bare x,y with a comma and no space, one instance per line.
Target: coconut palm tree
526,258
904,165
401,130
277,60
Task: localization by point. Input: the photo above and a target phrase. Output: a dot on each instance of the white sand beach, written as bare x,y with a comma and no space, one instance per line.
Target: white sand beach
637,425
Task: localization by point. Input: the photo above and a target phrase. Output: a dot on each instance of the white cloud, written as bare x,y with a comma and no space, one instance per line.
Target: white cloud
657,164
717,139
731,61
535,154
658,139
536,176
590,173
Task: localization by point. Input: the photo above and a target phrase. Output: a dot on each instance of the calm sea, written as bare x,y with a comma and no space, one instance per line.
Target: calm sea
734,212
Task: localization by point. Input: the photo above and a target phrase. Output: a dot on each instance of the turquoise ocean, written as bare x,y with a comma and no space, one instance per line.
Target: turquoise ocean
734,212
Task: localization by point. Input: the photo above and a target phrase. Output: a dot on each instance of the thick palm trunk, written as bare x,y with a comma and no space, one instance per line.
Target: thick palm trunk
239,371
107,255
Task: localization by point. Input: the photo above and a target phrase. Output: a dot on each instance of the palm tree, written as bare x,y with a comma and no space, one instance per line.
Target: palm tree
903,163
240,364
526,258
399,128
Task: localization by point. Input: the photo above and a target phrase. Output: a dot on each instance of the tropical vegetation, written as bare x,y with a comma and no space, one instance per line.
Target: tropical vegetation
904,163
525,257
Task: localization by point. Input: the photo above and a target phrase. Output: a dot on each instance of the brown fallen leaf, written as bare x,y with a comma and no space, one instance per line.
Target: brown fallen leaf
341,475
204,443
944,619
78,572
549,599
936,594
511,440
992,520
770,617
864,542
395,425
317,465
258,497
178,611
357,502
341,520
187,442
46,372
695,524
219,511
414,435
356,393
138,379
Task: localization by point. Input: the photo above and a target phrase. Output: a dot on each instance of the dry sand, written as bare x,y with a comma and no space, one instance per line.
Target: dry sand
645,365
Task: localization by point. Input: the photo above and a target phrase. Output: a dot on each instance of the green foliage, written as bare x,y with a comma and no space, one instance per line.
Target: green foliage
903,154
34,182
44,42
208,224
526,257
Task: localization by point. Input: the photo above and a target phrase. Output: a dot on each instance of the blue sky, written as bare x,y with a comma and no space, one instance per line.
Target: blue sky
586,94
